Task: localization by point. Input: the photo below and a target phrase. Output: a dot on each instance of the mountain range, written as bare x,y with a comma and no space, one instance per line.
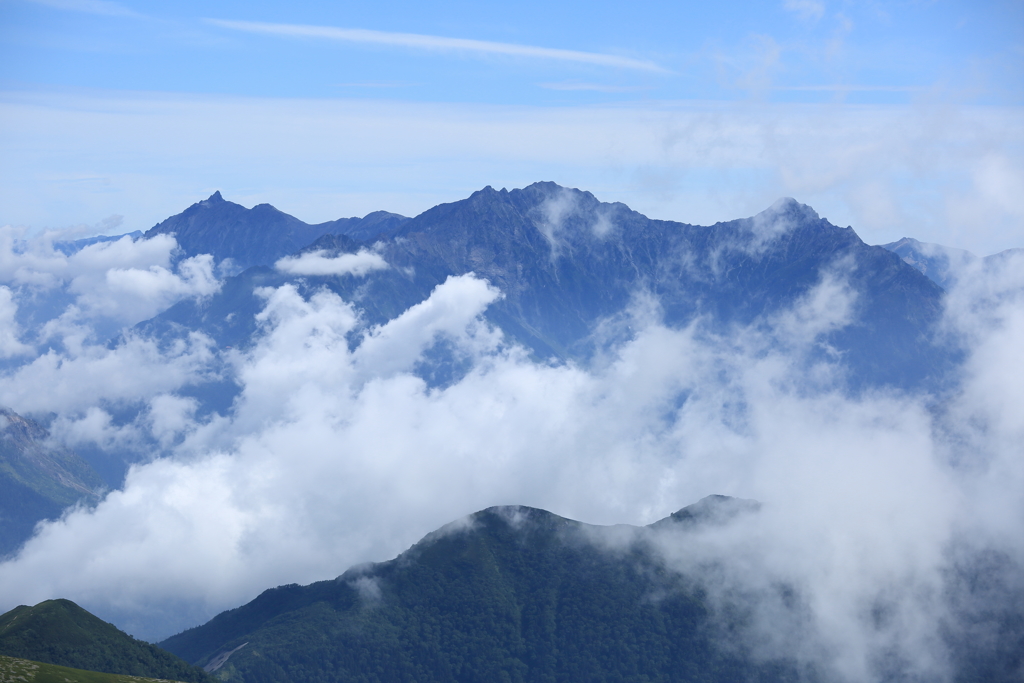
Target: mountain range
517,593
569,267
571,270
260,235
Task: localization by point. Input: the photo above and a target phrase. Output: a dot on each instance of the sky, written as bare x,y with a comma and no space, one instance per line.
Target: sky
895,118
898,118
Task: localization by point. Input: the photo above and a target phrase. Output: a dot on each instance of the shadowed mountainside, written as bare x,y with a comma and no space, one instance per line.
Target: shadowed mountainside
510,593
514,593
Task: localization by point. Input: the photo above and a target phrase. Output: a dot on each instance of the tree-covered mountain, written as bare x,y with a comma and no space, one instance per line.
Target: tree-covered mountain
38,479
569,267
62,633
519,594
508,594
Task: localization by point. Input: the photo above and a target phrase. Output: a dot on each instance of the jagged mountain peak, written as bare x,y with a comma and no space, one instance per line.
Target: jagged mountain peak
567,262
256,236
939,263
790,205
488,191
785,214
715,509
903,241
215,204
268,209
546,191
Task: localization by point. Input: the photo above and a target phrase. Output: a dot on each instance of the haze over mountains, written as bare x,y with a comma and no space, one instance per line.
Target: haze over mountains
565,263
292,402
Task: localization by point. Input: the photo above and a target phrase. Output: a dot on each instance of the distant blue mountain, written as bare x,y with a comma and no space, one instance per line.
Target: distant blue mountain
568,263
69,247
943,265
260,235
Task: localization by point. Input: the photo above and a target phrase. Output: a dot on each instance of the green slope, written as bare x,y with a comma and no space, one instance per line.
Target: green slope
511,594
15,670
62,633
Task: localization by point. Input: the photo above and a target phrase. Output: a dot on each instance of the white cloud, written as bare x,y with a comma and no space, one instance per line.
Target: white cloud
438,43
133,371
94,426
451,311
100,7
552,214
170,417
318,263
695,162
808,10
135,294
88,297
863,495
9,329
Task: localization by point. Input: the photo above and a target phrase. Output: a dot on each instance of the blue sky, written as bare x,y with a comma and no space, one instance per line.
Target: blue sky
900,118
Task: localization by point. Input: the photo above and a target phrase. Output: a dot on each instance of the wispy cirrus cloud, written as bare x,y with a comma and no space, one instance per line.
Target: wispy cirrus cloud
595,87
101,7
840,87
425,42
811,10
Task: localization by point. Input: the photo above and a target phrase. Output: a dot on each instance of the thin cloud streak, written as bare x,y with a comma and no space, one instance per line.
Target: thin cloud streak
851,88
595,87
374,85
100,7
416,40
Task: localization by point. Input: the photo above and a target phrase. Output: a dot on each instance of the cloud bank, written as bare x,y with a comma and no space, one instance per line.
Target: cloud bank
319,263
950,172
66,323
337,452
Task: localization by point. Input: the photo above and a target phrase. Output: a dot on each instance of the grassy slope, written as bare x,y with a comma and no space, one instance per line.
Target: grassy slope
14,670
62,633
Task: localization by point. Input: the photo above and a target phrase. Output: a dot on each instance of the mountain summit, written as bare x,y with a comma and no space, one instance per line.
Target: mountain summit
568,264
510,593
60,632
257,236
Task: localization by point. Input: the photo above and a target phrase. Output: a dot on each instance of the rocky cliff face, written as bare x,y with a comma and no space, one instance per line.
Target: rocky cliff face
570,266
38,479
260,235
